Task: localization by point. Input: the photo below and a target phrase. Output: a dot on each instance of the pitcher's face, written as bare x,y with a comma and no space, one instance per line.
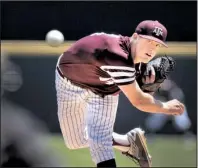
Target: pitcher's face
146,49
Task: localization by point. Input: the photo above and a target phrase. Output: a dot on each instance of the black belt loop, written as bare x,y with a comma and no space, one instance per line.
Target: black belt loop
60,73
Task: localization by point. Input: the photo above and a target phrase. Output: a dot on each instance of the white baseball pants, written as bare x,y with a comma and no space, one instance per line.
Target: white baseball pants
86,119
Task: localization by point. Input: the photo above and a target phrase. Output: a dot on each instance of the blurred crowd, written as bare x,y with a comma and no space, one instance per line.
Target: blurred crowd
24,138
155,122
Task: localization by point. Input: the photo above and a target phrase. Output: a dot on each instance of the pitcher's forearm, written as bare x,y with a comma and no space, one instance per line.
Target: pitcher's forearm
141,100
149,104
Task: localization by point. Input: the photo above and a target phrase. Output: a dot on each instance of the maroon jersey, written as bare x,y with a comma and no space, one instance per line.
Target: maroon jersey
99,62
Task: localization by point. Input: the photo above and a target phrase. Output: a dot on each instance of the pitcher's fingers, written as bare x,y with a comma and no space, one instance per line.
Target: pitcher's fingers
144,80
147,80
182,105
152,77
182,109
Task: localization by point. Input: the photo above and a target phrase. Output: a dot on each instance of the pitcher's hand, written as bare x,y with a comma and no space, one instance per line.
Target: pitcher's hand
174,107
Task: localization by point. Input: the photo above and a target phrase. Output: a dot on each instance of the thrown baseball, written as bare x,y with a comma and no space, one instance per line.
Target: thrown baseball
54,38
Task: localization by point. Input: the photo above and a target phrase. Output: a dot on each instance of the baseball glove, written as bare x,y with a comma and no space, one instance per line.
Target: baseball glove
162,66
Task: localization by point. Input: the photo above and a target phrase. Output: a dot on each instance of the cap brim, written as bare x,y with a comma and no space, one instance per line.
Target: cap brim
154,39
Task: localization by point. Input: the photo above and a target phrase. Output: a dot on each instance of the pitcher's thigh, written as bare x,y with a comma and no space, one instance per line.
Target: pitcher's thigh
71,113
101,119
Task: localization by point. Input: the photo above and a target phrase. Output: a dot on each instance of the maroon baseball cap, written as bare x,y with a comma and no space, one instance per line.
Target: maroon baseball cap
152,30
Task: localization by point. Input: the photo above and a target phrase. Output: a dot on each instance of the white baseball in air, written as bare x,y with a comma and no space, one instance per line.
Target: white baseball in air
54,38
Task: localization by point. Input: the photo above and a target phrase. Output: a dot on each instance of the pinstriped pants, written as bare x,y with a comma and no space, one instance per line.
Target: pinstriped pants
86,119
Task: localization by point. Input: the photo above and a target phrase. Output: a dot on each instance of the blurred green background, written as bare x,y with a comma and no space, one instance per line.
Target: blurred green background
166,151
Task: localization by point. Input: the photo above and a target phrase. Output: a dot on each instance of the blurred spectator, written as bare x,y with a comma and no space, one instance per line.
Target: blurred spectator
24,138
169,90
11,75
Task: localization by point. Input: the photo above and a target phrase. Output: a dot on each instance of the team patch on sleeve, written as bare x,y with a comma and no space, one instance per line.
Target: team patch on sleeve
120,75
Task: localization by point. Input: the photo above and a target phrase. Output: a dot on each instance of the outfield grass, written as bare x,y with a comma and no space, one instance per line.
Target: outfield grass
171,151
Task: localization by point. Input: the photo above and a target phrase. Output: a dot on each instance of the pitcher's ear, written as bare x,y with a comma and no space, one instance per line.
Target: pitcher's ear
134,37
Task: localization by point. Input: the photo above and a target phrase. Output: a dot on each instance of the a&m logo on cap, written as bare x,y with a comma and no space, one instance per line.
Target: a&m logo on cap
158,31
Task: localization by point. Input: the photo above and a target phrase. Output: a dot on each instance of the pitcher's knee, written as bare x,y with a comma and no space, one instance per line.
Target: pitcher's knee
101,150
72,146
101,153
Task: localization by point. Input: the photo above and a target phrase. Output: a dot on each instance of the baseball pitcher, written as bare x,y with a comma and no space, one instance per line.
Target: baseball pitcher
89,77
